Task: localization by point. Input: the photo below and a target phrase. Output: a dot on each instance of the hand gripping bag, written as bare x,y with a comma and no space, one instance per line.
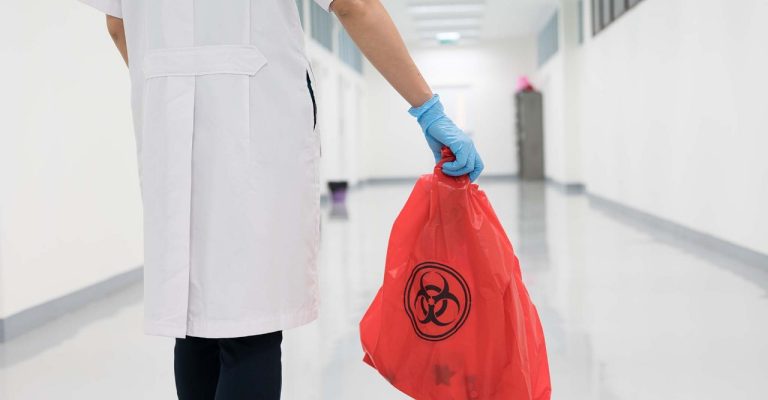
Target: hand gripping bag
453,320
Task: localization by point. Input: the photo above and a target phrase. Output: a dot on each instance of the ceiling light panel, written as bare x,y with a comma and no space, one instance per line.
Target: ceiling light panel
448,22
463,33
432,43
439,19
422,10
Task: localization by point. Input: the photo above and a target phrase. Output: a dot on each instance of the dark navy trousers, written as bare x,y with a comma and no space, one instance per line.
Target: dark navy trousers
245,368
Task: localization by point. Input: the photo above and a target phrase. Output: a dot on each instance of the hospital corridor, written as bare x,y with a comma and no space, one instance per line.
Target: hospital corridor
298,218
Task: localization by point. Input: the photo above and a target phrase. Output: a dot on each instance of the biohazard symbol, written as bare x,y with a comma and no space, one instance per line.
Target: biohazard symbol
427,300
437,300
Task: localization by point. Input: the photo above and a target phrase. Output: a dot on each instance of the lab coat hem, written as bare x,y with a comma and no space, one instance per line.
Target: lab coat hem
232,329
110,7
167,330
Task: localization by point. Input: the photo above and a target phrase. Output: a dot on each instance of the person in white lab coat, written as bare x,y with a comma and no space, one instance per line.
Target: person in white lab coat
225,119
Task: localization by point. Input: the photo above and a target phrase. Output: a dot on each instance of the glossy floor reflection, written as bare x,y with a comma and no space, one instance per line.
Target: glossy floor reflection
629,313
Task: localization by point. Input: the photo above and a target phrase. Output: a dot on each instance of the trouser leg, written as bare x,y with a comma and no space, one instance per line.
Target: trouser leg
250,368
196,367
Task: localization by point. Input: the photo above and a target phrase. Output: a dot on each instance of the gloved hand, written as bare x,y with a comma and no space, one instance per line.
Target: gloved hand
440,130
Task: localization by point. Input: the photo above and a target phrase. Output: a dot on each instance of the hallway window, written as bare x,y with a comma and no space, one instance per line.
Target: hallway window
605,12
595,17
321,25
581,21
606,16
300,7
549,40
348,51
619,7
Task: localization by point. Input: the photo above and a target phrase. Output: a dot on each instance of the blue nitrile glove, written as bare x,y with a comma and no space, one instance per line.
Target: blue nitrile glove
440,130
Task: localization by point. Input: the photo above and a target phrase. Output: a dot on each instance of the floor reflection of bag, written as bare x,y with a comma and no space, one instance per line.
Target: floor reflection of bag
453,320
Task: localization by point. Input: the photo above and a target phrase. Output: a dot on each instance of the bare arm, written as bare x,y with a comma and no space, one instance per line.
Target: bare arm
117,32
372,29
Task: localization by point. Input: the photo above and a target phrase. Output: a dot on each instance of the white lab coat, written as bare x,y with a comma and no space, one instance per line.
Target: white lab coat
228,161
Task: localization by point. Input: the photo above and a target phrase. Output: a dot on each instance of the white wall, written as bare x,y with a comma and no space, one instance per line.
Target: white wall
486,74
69,196
560,80
673,118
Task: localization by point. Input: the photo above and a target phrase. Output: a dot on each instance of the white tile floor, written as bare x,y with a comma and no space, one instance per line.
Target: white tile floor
630,314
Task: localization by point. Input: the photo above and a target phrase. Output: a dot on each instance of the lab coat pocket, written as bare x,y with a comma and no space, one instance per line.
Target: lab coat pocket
203,60
169,102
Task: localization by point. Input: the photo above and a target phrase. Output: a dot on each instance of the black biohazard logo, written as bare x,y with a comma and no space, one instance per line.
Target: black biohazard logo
437,300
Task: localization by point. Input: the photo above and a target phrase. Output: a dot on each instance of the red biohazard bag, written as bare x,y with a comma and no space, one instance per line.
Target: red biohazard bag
453,320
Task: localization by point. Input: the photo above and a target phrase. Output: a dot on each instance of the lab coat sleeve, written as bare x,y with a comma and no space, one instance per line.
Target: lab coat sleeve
111,7
325,4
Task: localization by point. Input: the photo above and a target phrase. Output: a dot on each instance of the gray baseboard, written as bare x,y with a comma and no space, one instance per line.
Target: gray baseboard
498,178
682,235
33,317
390,180
567,187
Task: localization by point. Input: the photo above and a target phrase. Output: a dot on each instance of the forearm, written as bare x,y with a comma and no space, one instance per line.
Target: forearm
117,32
372,29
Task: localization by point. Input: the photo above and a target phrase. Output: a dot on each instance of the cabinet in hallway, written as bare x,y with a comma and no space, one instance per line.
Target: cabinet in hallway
530,135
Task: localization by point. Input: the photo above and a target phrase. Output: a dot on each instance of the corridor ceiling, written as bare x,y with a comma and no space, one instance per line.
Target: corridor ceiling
421,22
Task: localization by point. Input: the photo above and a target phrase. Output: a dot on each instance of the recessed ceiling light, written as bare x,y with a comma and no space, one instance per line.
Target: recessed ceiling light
448,37
464,33
448,23
446,8
430,42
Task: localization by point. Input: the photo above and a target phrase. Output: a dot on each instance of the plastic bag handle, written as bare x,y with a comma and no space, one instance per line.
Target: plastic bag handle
442,185
446,155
